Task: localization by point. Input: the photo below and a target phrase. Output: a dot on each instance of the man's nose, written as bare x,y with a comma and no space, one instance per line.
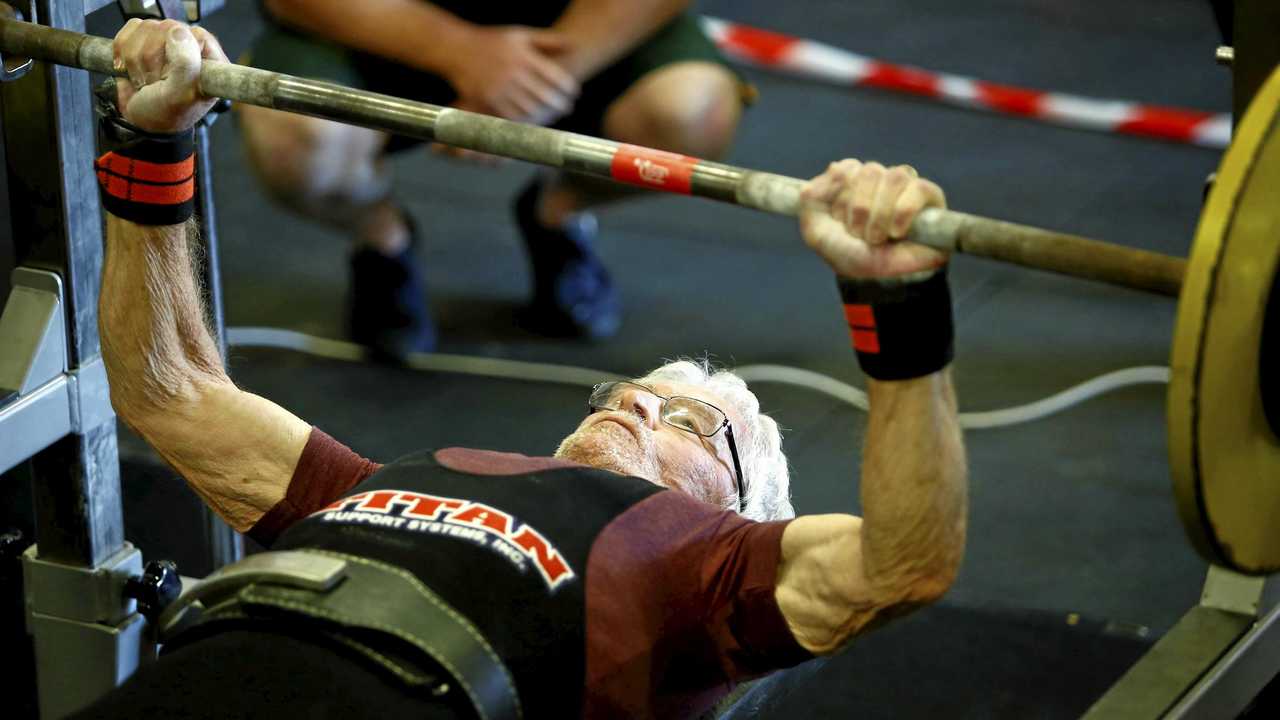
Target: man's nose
643,404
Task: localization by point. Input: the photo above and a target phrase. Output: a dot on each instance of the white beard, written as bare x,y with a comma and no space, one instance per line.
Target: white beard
610,446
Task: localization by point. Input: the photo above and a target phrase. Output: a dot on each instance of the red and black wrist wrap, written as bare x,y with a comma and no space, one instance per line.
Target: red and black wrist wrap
901,328
147,178
150,180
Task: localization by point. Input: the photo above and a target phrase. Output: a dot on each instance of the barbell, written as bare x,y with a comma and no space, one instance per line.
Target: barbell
634,165
1223,409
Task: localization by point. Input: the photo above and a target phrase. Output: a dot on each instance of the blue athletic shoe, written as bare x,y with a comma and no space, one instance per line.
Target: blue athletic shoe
573,295
387,307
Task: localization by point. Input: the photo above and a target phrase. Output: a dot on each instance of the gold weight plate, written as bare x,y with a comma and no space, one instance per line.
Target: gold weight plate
1224,457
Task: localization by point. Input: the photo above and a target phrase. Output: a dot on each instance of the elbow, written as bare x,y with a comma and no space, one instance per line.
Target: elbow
861,612
147,385
853,604
931,571
928,583
928,589
133,405
151,411
903,593
907,594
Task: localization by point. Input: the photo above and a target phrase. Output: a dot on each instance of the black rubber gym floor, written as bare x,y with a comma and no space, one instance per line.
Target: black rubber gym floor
1072,516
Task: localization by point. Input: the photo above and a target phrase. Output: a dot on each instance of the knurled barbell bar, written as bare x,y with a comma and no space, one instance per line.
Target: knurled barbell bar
640,166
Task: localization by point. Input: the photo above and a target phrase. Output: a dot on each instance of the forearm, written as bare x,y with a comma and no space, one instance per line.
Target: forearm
601,31
913,487
411,32
843,575
158,351
235,449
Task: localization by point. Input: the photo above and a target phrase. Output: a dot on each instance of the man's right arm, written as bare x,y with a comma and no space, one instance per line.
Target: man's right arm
257,465
238,451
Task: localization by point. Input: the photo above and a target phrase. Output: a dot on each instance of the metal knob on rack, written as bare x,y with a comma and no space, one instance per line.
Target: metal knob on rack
155,589
12,543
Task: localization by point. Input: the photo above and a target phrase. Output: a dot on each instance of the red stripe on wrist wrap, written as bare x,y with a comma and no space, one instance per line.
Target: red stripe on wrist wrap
900,330
148,193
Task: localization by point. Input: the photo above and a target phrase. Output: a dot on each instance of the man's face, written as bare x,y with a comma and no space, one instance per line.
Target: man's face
633,440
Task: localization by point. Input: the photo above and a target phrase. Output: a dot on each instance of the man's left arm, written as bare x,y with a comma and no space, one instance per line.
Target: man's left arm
236,450
601,31
841,575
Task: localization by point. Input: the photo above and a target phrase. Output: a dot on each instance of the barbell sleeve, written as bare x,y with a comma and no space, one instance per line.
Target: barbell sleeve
643,167
1048,250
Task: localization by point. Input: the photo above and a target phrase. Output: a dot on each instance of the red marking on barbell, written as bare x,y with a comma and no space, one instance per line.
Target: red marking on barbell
653,169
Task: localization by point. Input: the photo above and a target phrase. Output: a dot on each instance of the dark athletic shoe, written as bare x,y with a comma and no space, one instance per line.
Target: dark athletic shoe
573,295
387,303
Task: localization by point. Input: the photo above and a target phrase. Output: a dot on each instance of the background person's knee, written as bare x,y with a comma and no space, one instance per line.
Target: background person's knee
691,108
303,161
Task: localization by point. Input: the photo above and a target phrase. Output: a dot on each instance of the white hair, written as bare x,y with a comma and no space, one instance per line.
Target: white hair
764,466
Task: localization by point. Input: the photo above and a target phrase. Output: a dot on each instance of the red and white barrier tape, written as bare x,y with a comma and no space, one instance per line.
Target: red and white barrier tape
807,58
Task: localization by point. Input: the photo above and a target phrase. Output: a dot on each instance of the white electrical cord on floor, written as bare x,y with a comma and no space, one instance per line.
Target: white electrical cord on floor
782,374
1057,402
433,362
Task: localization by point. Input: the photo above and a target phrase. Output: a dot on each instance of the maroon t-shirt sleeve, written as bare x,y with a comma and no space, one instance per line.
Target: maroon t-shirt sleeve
326,470
681,605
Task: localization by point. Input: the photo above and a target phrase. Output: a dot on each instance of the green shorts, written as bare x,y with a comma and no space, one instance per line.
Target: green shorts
281,49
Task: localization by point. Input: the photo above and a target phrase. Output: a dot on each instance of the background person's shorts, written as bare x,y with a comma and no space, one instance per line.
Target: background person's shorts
281,49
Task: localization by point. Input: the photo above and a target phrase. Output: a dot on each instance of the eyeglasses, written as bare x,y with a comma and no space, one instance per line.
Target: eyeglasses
683,413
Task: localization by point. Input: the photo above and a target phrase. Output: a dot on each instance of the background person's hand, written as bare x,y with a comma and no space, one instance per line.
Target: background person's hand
162,59
511,72
855,215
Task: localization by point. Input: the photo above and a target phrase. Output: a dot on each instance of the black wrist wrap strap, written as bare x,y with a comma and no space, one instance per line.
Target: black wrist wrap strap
150,180
900,329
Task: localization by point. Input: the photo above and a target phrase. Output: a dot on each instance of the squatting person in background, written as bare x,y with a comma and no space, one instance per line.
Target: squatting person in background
636,71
